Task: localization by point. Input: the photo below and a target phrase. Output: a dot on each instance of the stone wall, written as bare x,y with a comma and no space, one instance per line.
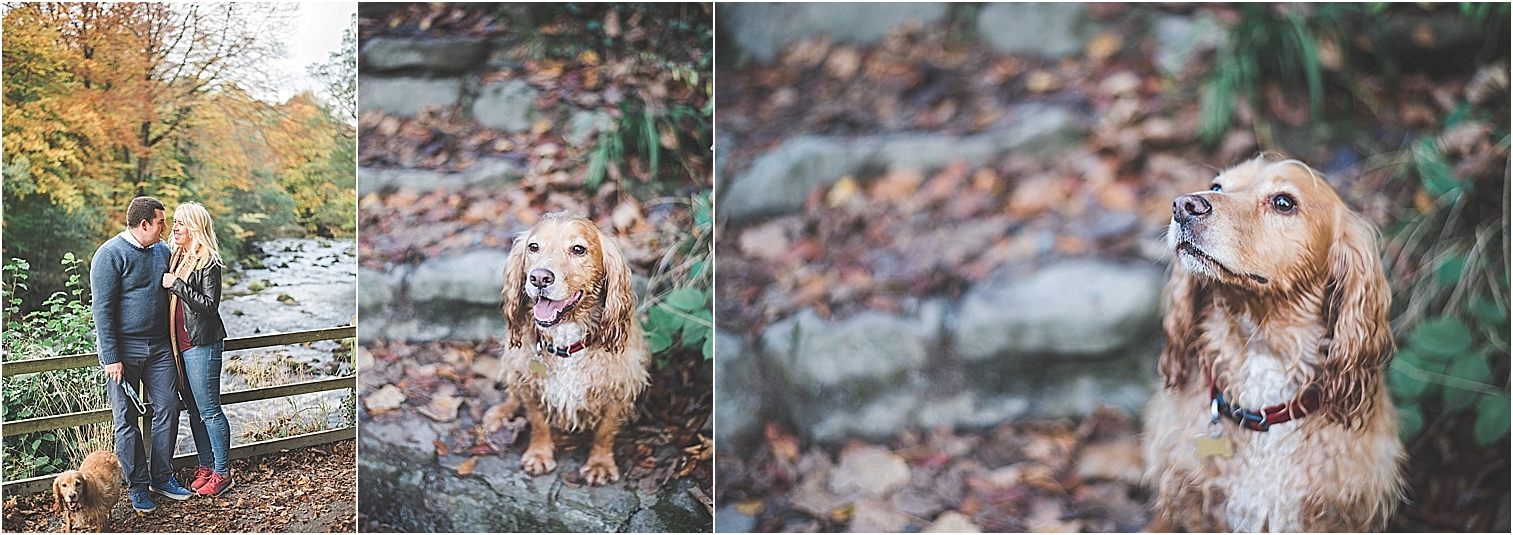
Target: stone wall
1051,337
1056,340
422,491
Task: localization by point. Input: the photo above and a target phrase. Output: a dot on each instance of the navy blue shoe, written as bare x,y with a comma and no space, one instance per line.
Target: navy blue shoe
141,500
171,489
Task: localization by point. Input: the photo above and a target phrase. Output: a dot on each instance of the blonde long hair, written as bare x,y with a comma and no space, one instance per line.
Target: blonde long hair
203,251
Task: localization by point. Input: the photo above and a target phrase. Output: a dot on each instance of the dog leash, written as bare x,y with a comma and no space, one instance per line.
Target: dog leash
131,393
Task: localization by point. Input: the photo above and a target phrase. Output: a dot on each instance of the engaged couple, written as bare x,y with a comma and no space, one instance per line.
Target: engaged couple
158,324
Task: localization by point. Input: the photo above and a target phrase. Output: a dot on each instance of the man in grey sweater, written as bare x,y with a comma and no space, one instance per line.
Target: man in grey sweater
131,328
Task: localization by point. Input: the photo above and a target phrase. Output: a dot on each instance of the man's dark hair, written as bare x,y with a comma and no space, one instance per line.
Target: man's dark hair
142,209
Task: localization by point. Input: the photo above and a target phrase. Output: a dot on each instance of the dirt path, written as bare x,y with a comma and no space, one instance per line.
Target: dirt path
309,490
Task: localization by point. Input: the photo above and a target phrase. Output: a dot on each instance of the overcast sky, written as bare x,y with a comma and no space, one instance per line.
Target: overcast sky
316,33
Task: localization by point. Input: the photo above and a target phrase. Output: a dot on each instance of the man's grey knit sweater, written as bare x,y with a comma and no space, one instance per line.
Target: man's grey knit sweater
129,299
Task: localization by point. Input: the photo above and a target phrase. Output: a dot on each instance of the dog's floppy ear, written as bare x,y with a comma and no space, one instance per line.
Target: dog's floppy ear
1186,298
619,299
58,496
1356,302
517,312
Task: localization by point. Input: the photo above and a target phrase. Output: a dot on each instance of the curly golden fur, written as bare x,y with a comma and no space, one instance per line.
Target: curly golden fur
1277,291
566,282
85,496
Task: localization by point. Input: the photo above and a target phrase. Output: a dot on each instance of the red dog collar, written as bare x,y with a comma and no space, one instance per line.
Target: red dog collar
1261,420
563,352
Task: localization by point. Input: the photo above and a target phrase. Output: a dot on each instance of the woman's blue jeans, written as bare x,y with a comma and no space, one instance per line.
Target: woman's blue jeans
212,433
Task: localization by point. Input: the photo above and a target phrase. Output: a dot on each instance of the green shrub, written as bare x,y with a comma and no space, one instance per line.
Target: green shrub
1448,263
64,326
1286,44
682,316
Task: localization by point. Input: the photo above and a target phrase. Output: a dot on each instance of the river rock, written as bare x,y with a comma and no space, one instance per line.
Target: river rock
427,322
869,348
776,183
1049,30
1180,39
474,277
1070,307
761,30
405,96
730,520
738,412
508,106
444,56
375,288
1061,341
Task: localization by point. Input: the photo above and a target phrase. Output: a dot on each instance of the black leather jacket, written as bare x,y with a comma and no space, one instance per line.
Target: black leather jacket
201,295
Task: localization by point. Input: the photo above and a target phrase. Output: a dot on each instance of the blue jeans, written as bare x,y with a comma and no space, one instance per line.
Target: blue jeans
151,362
212,433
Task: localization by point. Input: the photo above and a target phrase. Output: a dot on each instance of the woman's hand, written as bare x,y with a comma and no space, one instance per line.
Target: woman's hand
168,280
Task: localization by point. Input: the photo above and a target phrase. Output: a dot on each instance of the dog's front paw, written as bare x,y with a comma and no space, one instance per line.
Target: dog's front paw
599,471
537,462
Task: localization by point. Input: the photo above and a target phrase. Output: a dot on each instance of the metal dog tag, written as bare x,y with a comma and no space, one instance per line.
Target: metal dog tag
1210,445
1215,442
538,368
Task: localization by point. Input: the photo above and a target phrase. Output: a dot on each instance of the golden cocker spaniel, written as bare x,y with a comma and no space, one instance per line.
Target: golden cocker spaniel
1274,414
576,357
85,496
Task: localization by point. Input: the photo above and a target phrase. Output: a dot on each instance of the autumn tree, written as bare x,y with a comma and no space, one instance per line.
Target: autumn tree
106,101
339,74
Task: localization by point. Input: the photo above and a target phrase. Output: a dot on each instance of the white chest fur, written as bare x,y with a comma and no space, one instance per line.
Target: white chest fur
564,390
1270,372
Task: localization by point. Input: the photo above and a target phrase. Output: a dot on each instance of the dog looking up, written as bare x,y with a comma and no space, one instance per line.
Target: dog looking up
1273,415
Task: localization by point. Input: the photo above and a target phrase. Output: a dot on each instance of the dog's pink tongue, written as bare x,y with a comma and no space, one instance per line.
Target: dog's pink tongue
546,309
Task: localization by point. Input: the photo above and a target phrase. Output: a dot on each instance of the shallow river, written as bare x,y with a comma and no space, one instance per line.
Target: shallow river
303,284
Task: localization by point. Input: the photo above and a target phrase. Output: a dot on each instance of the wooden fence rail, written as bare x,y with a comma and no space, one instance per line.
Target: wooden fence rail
62,421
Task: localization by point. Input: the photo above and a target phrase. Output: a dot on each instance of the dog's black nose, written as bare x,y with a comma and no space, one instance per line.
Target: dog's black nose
541,278
1189,207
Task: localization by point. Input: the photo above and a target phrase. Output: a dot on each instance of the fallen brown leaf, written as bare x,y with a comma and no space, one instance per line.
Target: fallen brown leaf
467,466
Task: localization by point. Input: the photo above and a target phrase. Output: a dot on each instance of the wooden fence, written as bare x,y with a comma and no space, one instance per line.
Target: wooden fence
62,421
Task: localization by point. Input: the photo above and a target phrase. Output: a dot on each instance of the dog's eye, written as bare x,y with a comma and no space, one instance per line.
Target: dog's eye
533,247
1284,203
579,250
1215,187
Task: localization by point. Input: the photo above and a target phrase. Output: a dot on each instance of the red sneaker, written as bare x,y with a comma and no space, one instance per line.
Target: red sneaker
217,484
201,475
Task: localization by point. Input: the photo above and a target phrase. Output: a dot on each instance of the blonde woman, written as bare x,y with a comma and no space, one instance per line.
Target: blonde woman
194,279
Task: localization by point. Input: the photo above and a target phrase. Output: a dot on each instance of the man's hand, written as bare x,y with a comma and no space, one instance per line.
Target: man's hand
115,371
168,279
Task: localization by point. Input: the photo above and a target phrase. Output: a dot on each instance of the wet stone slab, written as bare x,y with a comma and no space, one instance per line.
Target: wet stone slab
404,483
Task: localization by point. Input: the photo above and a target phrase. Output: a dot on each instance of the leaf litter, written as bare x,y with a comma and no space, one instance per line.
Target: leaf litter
667,438
306,490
